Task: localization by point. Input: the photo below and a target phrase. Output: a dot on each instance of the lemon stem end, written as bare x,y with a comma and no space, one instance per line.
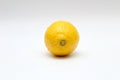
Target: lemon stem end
62,42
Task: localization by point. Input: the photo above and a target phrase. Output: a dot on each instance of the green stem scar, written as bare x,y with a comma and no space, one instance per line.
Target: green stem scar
62,42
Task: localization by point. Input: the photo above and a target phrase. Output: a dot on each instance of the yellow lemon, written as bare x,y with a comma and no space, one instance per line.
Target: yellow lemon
61,38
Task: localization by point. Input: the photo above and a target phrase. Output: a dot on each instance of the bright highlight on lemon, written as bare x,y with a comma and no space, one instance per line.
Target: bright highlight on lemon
61,38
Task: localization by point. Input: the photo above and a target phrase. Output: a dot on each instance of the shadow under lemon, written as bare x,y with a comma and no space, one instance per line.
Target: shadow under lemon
75,54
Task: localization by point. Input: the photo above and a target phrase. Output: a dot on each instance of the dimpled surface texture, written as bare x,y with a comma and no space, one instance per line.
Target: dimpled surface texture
58,31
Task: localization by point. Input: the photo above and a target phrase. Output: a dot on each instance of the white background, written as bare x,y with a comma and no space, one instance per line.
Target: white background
23,55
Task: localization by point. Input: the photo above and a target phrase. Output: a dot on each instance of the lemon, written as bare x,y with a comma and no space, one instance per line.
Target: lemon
61,38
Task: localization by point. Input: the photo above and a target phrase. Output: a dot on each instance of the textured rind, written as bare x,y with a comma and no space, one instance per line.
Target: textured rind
61,30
